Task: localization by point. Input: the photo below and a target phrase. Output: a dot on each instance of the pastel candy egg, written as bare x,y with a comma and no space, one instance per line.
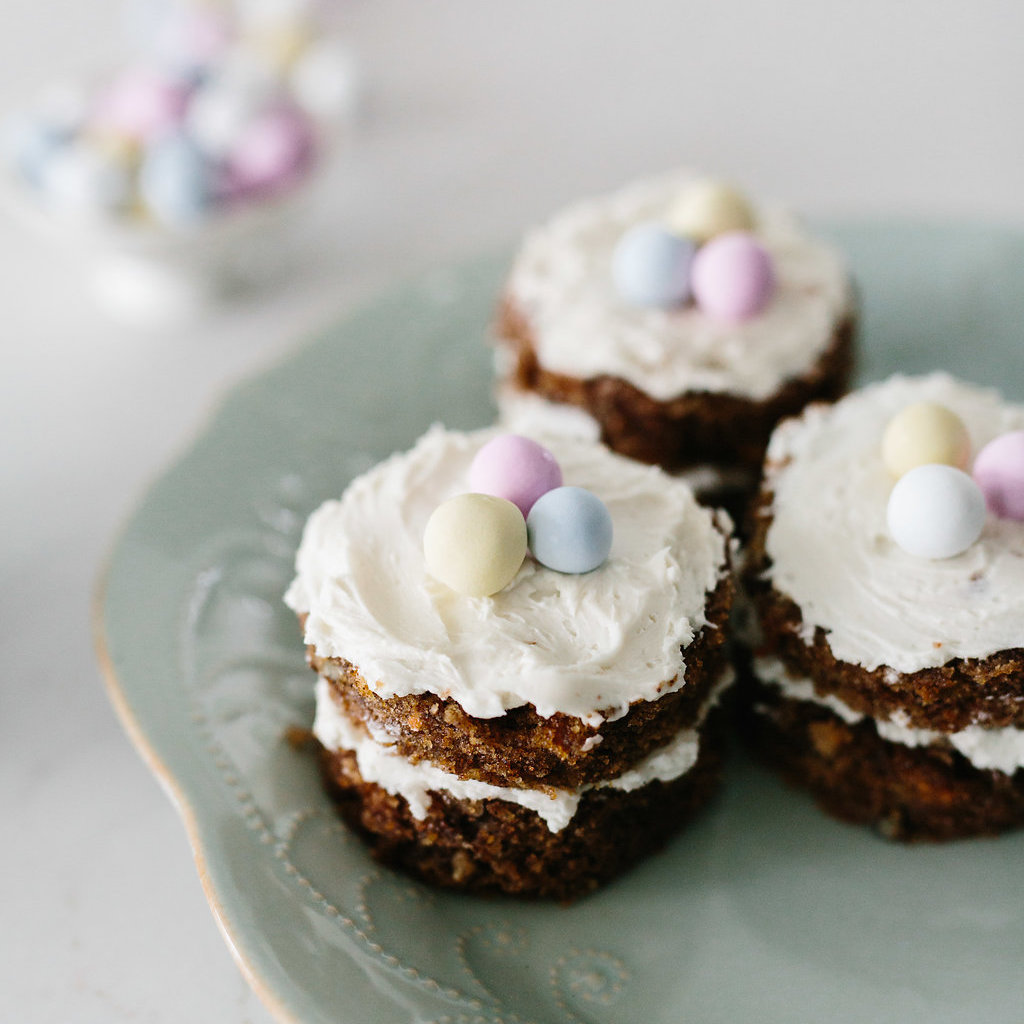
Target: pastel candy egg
327,81
281,45
191,40
475,543
514,468
935,511
651,266
84,181
176,182
28,144
65,107
922,433
999,472
708,208
733,277
273,153
140,103
569,530
216,118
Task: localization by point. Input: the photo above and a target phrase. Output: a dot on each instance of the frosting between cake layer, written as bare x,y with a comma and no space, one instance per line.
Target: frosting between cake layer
585,645
999,749
831,551
562,282
381,764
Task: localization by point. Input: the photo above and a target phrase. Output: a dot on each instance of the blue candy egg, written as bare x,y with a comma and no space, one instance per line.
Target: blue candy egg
29,143
651,266
569,529
176,182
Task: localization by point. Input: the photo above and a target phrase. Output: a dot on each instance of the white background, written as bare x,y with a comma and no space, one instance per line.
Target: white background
481,118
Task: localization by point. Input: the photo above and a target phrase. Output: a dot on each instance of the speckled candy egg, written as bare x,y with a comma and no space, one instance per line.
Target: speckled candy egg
475,543
733,277
999,472
935,511
514,468
923,433
176,182
651,266
273,153
709,208
569,530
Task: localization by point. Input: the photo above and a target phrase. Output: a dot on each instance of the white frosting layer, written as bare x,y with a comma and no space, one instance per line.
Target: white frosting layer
585,645
562,282
831,551
1001,750
380,763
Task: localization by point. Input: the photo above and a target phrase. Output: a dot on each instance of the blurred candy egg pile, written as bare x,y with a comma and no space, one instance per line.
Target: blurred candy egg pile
936,509
223,106
705,253
475,543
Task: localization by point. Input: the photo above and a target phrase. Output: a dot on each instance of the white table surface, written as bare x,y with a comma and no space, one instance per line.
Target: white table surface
481,118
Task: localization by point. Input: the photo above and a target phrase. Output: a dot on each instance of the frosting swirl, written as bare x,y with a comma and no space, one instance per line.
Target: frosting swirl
832,553
586,645
562,282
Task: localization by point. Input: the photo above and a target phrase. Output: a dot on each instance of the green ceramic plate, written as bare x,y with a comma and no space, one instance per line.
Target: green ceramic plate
763,910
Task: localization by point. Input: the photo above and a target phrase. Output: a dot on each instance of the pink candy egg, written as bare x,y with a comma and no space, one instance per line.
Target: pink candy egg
140,103
272,153
514,468
999,472
191,39
732,277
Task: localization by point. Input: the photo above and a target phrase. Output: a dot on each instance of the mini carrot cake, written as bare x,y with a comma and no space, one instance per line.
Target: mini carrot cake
887,567
520,658
678,323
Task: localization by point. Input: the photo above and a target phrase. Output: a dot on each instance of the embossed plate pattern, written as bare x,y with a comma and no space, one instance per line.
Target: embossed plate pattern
763,910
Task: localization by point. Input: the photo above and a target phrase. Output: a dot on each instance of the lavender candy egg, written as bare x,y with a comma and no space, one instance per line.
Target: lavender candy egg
999,472
514,468
569,529
733,277
935,511
274,152
176,182
651,266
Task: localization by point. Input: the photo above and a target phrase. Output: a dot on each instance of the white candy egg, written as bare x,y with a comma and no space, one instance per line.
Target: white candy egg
327,82
935,511
85,181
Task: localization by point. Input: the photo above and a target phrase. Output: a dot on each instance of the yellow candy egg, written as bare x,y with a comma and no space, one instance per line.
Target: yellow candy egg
708,208
282,45
475,543
925,433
